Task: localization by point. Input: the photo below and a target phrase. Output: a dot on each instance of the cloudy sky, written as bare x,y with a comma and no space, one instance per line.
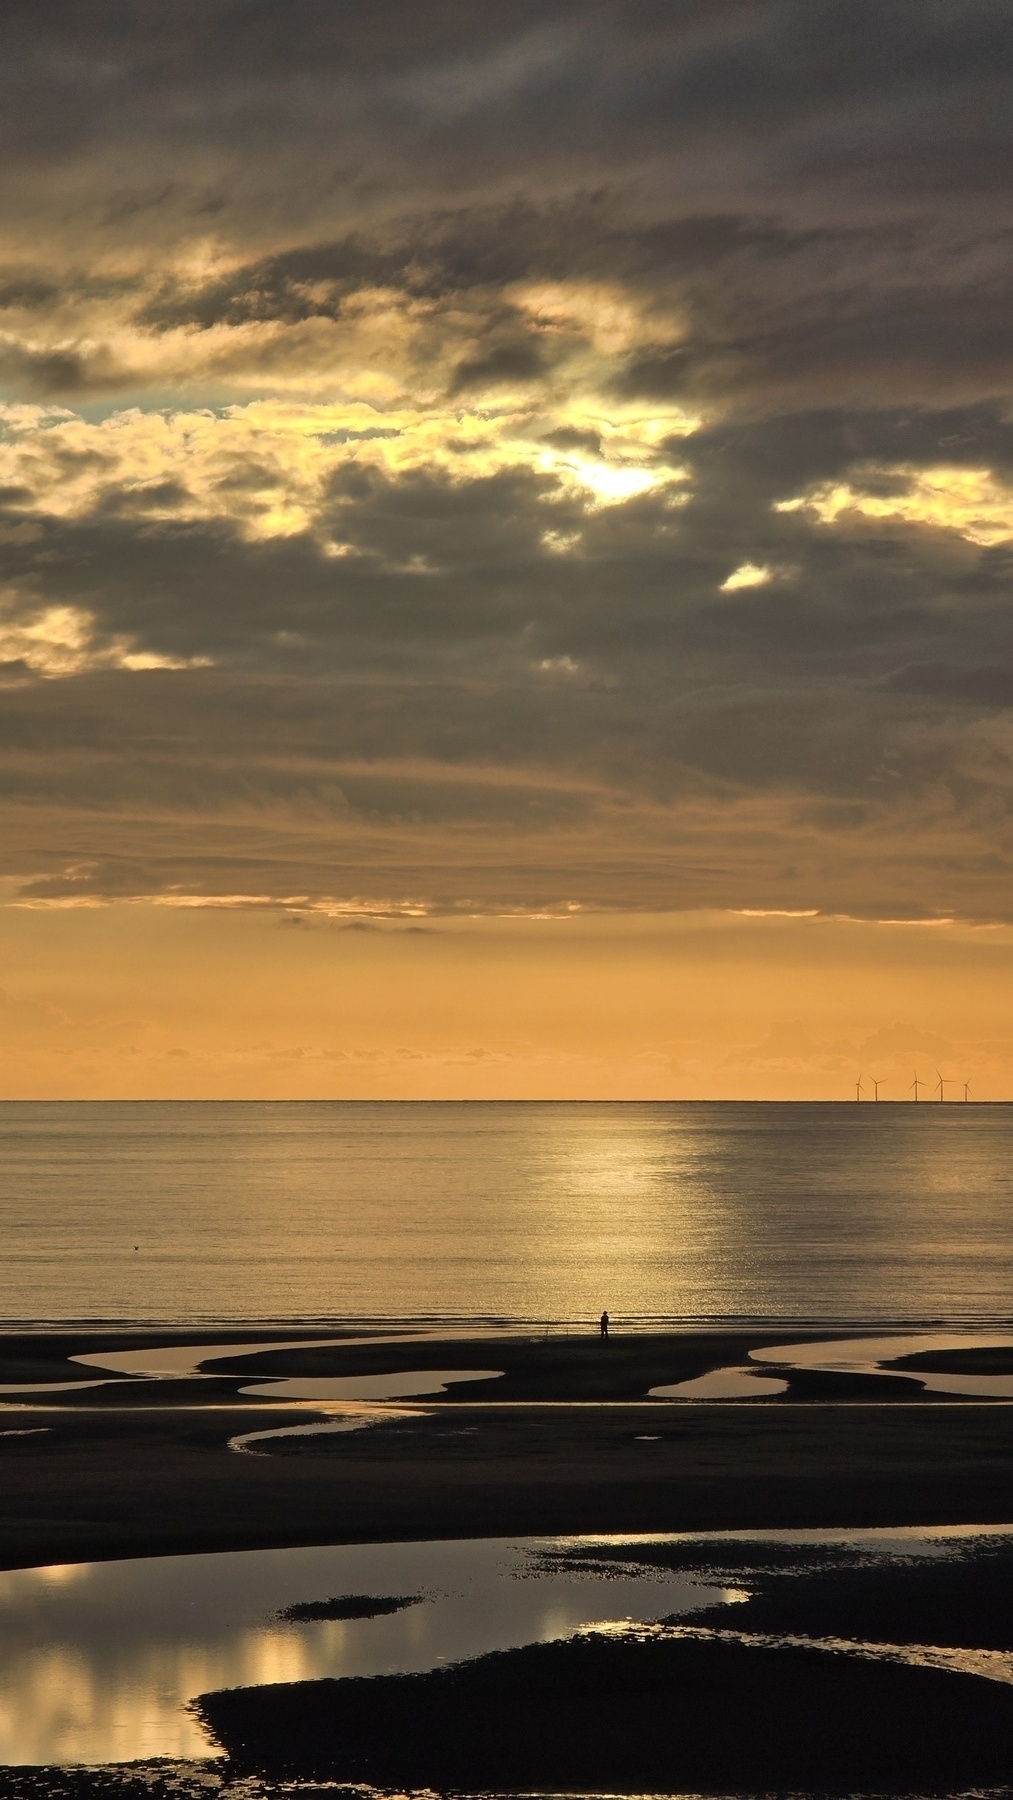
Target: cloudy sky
506,546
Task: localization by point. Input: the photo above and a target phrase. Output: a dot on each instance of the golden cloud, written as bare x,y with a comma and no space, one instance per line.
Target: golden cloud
976,503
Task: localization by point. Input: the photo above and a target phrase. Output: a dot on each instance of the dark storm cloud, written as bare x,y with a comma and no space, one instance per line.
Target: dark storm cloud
50,374
623,657
572,74
817,190
454,674
979,685
485,248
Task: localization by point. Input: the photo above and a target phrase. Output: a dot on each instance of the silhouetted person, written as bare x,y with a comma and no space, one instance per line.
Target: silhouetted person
604,1325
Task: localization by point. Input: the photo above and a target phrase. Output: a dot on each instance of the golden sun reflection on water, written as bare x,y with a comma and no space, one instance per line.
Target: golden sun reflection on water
59,1574
69,1705
637,1202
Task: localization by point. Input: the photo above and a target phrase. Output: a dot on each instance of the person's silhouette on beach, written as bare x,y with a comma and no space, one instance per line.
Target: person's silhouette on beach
604,1324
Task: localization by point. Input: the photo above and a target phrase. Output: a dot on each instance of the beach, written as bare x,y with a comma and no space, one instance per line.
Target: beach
126,1446
136,1445
144,1468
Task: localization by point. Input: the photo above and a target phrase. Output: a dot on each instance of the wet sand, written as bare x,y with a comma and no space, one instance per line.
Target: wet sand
600,1715
140,1467
700,1708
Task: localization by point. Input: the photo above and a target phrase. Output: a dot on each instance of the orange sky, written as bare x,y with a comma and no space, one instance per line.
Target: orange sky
135,1001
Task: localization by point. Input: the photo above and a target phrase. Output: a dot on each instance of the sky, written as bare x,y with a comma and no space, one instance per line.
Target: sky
506,548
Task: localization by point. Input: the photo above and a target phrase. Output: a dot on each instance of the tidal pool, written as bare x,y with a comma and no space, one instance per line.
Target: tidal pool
408,1384
861,1356
99,1660
878,1355
173,1361
849,1356
721,1384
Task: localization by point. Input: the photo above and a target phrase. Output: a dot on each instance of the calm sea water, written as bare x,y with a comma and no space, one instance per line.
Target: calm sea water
530,1212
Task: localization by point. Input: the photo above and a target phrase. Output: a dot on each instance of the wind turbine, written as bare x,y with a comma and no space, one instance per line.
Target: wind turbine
858,1088
877,1085
916,1084
942,1082
967,1090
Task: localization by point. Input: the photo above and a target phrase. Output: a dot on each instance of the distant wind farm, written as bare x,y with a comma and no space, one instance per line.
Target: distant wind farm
934,1091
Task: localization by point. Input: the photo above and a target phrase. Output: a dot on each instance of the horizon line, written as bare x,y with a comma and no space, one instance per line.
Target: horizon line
469,1100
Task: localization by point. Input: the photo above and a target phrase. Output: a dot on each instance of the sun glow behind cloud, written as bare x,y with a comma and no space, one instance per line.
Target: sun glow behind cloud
63,640
265,466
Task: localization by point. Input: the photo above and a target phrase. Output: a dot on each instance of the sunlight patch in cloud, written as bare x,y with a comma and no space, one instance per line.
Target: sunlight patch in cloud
611,318
62,640
775,912
974,502
16,417
747,575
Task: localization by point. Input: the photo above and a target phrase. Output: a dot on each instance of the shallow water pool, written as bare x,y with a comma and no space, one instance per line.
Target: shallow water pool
99,1660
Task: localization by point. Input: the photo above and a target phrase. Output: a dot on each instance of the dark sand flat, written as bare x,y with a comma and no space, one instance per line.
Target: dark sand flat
117,1482
735,1707
960,1362
600,1715
564,1442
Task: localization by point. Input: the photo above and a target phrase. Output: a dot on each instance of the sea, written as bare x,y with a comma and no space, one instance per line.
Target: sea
539,1214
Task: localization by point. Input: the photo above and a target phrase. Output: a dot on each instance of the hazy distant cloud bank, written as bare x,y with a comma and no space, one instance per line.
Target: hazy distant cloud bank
504,458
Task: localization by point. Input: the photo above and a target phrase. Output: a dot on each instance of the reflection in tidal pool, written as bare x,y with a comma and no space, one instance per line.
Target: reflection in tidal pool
188,1360
98,1660
721,1384
879,1356
404,1385
346,1417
